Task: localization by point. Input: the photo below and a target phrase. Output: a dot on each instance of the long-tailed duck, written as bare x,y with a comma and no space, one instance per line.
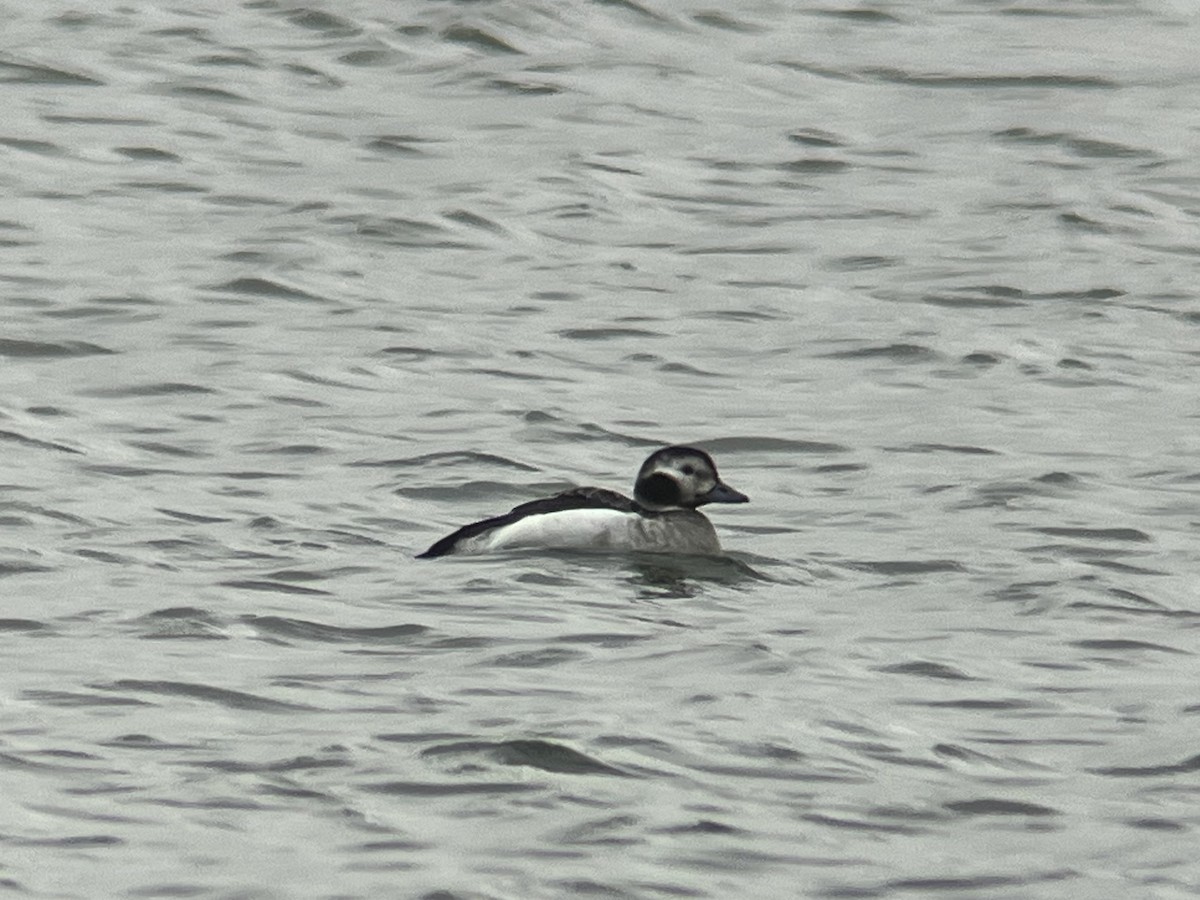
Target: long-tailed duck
661,518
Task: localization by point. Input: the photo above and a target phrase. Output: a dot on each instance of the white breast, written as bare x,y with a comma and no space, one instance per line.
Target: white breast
684,531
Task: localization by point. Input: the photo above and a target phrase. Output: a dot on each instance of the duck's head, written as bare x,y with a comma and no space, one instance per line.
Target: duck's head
681,478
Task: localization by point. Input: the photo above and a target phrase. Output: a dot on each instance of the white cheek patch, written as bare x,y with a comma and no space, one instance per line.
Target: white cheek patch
697,484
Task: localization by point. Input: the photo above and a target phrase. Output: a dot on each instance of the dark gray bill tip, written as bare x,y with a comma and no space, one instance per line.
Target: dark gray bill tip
723,493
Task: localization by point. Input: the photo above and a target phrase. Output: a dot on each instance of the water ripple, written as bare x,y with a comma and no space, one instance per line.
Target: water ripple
547,756
315,631
219,696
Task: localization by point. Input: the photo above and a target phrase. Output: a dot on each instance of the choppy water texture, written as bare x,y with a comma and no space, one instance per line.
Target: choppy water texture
290,291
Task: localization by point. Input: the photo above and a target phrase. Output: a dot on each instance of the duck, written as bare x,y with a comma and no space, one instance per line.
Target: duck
661,517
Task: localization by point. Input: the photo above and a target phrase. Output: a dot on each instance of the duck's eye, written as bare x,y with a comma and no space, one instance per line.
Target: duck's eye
688,470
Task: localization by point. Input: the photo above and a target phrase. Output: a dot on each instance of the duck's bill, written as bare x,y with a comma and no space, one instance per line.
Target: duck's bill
723,493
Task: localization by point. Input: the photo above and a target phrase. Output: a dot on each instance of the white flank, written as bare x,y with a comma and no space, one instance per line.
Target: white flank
571,529
682,531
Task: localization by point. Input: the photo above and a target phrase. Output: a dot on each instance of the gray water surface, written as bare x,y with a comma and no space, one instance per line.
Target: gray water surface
290,291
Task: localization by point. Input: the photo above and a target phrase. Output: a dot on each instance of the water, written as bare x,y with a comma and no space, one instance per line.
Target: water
291,291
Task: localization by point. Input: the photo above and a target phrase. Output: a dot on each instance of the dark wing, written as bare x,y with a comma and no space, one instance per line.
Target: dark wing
576,498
